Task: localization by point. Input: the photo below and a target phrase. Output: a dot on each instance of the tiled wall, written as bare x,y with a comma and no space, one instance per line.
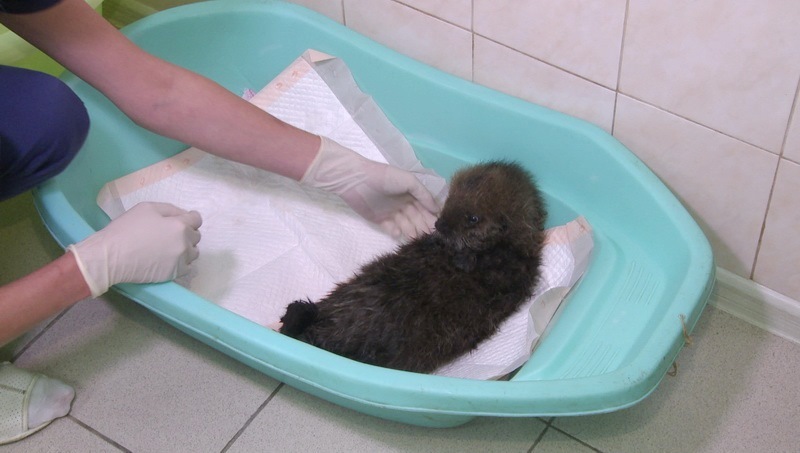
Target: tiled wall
703,91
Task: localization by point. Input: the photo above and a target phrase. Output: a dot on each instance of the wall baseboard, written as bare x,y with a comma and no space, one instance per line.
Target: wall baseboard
757,304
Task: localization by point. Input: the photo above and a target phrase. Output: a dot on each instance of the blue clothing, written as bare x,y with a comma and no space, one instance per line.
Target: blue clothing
25,6
43,124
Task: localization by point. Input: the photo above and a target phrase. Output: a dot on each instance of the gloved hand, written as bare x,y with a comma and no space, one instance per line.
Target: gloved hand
386,195
151,242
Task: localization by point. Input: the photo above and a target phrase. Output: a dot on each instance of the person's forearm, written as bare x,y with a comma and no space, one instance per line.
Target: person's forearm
36,297
163,97
200,112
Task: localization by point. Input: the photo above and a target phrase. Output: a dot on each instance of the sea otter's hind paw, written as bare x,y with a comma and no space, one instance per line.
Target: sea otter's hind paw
299,315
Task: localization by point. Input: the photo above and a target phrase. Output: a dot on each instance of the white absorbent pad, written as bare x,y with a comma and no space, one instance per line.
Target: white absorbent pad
267,240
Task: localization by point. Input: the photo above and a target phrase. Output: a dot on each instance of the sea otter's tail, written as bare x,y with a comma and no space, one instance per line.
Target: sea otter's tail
299,315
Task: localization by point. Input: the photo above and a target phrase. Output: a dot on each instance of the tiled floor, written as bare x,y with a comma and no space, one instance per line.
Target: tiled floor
143,386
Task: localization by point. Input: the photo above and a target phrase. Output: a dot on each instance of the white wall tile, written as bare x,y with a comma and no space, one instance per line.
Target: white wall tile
413,33
580,36
330,8
791,149
689,68
732,66
458,12
519,75
778,264
725,183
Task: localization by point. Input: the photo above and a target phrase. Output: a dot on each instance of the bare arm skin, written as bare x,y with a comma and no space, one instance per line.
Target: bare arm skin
188,107
32,299
157,95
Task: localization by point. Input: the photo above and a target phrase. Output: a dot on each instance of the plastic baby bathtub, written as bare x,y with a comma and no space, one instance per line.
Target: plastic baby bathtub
613,339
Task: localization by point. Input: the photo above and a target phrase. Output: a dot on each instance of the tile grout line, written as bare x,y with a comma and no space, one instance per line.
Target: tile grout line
616,90
539,438
619,92
764,220
544,62
619,65
781,152
251,418
791,118
697,123
472,37
98,434
595,449
433,16
36,337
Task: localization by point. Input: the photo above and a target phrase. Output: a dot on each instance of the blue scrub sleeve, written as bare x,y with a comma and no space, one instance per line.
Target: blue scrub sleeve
43,124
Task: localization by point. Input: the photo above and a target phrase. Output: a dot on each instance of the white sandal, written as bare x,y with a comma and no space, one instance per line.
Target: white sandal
15,393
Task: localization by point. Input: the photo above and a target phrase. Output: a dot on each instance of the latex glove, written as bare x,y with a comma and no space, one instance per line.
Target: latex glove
151,242
386,195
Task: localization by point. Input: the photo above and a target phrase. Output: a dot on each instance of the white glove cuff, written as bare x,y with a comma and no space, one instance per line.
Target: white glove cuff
332,168
96,278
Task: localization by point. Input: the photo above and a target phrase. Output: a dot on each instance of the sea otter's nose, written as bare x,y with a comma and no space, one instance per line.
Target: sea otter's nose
441,226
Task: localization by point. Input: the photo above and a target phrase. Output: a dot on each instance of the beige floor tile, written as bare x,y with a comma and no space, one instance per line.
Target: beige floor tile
62,436
143,383
735,391
555,441
297,422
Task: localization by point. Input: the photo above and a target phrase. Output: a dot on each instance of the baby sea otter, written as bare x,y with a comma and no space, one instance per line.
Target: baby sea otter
438,296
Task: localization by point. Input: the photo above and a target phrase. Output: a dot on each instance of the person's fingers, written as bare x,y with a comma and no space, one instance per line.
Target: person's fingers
428,219
192,219
390,227
423,196
405,182
405,225
192,254
183,268
164,209
193,237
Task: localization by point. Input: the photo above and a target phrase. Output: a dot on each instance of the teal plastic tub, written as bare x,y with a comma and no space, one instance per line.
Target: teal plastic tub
610,344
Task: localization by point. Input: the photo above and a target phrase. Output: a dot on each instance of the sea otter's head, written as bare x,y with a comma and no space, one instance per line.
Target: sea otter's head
489,203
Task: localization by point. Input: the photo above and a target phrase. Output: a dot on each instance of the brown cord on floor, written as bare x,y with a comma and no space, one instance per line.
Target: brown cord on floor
686,337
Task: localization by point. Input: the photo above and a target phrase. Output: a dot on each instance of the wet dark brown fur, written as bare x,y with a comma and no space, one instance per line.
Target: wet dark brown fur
441,294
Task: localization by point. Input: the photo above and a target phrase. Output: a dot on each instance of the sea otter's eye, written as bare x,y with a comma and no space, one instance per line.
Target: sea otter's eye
473,219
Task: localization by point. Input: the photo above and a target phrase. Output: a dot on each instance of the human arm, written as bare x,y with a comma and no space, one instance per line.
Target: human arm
39,295
183,105
161,96
151,242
